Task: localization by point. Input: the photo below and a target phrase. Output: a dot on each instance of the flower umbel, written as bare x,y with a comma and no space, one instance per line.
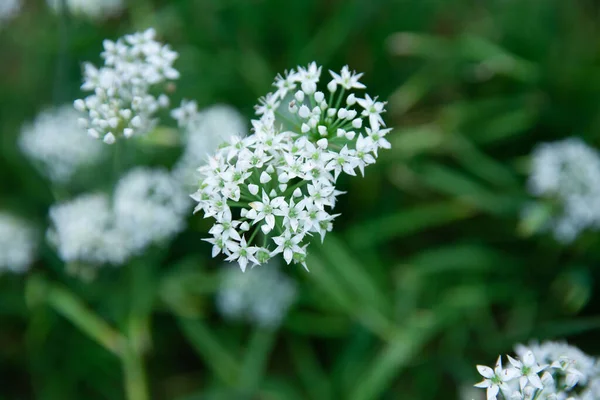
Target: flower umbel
122,104
278,184
566,373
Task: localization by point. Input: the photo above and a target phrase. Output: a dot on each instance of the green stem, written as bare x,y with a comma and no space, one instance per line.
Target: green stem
72,308
256,359
135,375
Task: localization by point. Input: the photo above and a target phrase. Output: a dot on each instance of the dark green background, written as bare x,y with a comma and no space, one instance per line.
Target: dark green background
427,272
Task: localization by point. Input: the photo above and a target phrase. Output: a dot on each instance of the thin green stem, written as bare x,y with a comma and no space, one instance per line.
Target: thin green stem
72,308
253,234
135,375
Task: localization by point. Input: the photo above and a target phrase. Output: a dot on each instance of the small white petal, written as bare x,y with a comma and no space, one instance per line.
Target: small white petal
253,188
264,177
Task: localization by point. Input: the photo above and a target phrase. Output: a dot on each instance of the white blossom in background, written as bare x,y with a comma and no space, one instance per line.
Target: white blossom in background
92,9
203,132
85,230
568,173
56,141
262,296
150,206
551,370
122,103
271,191
18,244
8,10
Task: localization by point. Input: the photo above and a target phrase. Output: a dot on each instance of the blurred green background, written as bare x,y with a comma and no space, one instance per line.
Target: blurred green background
428,270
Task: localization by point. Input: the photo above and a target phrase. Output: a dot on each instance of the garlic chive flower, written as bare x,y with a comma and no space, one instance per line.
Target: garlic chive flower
18,244
85,230
58,144
262,296
566,174
552,370
276,187
122,103
148,207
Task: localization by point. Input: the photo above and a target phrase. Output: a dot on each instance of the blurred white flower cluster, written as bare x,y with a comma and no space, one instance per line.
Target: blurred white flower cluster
18,244
59,144
203,132
93,9
148,207
548,371
280,180
568,173
262,296
9,9
122,104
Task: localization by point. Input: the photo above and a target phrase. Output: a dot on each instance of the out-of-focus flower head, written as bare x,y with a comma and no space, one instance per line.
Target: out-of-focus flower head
85,230
122,104
9,9
204,131
59,144
18,243
279,182
150,206
92,9
568,173
262,296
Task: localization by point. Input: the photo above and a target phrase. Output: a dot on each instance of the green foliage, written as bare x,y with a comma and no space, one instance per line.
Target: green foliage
428,270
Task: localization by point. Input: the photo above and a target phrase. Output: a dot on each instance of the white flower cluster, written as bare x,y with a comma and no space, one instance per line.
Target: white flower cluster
203,132
550,371
568,173
59,144
148,207
280,180
262,296
9,9
18,243
122,104
93,9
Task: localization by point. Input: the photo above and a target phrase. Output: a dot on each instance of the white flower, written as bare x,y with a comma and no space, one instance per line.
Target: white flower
279,182
150,206
18,243
262,295
494,379
122,104
59,144
348,80
9,9
85,230
561,379
528,370
568,172
92,9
